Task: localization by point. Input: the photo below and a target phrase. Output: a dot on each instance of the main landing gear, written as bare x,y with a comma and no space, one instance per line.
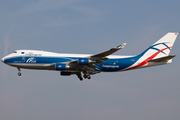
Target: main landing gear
79,76
86,76
19,73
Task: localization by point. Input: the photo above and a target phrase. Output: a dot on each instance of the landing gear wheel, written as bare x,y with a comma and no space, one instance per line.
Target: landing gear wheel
19,74
85,76
79,76
89,77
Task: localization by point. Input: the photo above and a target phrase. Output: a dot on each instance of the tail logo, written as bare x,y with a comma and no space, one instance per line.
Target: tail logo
167,47
153,47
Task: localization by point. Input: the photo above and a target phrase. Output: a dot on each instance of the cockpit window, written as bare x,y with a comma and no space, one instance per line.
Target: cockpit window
15,52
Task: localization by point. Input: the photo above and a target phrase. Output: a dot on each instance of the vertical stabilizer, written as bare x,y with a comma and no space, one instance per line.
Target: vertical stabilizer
161,48
157,54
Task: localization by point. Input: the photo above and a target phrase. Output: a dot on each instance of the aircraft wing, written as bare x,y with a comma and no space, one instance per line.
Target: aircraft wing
108,52
88,65
94,60
101,57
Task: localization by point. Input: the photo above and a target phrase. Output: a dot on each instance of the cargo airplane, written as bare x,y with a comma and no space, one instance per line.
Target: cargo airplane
84,65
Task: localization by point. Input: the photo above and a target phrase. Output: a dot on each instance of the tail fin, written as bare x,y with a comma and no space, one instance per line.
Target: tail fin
161,48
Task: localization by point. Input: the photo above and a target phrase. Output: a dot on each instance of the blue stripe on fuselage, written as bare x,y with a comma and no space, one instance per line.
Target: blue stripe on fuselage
118,64
38,60
109,65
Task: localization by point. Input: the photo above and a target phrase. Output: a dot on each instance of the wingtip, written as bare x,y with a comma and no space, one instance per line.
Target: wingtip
175,33
124,44
121,46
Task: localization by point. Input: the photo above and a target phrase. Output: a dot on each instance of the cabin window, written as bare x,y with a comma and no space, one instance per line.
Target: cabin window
22,52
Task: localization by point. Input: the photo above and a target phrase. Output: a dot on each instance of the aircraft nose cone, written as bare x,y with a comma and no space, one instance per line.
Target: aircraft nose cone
2,59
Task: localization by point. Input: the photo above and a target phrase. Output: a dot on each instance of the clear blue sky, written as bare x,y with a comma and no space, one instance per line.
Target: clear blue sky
89,26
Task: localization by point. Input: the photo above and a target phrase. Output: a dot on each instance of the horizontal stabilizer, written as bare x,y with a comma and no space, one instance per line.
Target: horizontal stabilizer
162,59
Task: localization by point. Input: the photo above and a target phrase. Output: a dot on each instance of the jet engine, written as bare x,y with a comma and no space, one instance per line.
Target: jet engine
65,73
84,61
62,66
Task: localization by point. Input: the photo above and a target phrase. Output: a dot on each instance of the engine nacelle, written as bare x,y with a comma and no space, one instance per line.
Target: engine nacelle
84,61
61,67
65,73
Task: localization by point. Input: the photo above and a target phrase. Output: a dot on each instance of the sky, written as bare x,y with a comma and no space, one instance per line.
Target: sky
89,27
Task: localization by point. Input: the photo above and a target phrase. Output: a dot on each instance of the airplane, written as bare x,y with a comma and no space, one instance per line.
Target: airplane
85,65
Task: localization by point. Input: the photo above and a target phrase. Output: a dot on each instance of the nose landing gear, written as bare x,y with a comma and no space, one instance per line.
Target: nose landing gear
19,73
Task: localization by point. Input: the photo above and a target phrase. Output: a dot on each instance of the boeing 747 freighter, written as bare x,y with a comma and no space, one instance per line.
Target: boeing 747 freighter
84,65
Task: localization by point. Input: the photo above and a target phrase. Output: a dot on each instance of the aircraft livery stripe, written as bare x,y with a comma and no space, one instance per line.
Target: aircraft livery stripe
149,58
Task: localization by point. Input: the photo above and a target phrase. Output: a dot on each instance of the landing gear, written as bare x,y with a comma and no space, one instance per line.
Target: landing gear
87,76
79,76
19,73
